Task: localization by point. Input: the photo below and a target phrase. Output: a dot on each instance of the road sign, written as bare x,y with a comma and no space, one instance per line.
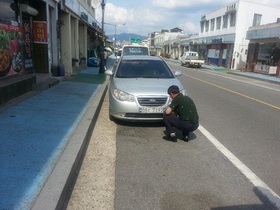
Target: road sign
135,40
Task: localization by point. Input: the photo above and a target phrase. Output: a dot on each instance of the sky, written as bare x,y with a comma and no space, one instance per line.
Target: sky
146,16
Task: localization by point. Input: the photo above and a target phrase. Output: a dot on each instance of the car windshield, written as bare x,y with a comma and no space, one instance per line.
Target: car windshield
143,69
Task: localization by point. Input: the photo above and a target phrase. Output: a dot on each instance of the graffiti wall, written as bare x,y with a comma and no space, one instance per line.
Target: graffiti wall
11,60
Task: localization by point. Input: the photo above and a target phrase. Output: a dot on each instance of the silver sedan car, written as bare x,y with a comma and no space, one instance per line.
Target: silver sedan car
138,88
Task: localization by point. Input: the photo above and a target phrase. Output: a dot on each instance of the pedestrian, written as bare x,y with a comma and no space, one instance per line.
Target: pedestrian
181,114
105,58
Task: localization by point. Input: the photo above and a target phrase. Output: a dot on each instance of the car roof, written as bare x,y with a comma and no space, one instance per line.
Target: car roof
141,57
134,45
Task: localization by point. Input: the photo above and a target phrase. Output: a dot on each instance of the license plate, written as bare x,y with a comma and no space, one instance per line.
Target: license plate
151,109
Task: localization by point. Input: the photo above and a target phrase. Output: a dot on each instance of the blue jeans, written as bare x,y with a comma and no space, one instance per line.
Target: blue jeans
173,121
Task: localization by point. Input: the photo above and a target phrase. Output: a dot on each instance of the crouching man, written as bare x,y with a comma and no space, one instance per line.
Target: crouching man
180,114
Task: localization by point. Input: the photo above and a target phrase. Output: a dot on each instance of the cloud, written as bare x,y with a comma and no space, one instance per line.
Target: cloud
118,15
179,4
146,16
189,28
138,20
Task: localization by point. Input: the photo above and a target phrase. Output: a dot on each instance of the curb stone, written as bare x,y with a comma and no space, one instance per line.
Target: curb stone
55,191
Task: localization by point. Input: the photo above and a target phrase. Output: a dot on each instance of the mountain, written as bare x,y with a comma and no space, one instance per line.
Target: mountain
126,36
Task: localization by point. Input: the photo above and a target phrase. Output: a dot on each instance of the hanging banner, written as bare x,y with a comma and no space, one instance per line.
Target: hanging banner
40,32
28,49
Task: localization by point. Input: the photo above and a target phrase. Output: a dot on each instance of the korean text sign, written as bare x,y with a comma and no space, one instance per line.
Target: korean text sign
40,32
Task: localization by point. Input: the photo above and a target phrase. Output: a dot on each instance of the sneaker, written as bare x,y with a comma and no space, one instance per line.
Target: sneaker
186,138
173,138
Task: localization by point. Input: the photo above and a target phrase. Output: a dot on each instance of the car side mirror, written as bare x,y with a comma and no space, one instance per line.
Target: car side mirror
109,72
177,73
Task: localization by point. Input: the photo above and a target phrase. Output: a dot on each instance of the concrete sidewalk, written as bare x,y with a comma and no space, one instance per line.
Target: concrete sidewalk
264,77
44,138
245,74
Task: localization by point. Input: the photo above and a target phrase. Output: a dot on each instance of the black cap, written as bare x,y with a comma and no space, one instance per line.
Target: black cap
173,89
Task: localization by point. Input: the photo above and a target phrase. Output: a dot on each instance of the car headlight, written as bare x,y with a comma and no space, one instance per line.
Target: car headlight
123,96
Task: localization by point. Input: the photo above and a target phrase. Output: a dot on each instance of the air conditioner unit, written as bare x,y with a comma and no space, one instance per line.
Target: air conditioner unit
28,9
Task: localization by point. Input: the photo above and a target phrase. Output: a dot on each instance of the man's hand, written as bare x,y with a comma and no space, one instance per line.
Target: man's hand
168,111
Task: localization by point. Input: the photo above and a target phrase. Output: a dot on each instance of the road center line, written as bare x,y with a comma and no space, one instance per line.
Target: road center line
256,181
232,91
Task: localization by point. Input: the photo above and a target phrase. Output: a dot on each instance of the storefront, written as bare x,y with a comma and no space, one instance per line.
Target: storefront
264,58
216,50
29,35
264,49
217,54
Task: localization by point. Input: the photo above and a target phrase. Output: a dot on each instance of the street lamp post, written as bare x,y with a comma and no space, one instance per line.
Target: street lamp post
115,44
102,64
116,26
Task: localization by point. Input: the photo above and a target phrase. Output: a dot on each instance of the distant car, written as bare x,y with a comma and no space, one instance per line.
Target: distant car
93,62
138,88
135,50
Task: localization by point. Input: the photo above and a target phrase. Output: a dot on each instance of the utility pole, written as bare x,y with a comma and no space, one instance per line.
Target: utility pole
102,64
116,26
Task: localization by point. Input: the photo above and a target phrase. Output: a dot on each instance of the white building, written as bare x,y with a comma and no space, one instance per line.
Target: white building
222,34
160,39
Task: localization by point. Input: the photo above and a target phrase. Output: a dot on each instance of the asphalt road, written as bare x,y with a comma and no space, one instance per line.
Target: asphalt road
232,161
244,115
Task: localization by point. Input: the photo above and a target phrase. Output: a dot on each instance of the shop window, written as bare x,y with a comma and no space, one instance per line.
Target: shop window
265,53
218,23
275,55
257,19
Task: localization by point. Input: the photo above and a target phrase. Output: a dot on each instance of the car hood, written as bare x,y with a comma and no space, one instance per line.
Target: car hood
143,86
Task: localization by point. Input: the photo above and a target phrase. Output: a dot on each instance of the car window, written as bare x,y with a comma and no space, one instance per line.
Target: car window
143,69
131,50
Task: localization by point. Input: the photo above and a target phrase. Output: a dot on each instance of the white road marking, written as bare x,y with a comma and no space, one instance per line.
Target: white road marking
256,181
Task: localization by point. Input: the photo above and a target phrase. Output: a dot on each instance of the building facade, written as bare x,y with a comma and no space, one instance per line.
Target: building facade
223,31
160,41
45,36
80,33
29,34
222,37
48,34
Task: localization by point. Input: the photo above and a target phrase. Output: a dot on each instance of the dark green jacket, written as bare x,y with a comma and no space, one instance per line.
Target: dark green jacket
185,108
